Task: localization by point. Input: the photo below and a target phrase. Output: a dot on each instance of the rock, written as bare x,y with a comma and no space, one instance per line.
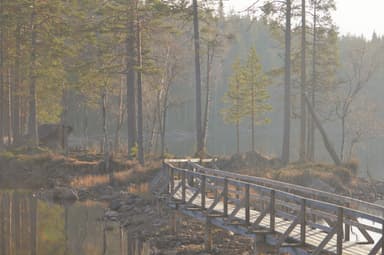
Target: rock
115,205
62,193
109,197
111,215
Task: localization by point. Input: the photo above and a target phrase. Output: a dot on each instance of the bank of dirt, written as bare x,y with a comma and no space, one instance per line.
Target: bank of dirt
82,176
127,198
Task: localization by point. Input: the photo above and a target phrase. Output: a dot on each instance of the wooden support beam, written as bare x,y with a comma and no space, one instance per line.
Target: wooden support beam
303,222
208,234
247,206
272,213
202,189
225,198
183,186
172,179
339,226
382,238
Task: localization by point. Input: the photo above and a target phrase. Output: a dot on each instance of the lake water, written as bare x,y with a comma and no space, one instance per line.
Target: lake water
29,226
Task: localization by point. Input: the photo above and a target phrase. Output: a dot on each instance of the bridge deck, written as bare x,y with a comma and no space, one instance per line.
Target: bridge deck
286,219
313,236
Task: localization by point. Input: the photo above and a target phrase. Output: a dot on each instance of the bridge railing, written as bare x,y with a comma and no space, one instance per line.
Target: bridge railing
333,198
237,197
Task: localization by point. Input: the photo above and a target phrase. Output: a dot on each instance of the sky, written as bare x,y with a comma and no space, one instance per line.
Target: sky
354,17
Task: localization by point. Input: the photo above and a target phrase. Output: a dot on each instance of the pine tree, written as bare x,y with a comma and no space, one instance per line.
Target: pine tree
247,95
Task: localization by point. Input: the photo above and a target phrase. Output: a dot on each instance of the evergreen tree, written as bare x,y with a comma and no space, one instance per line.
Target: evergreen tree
247,95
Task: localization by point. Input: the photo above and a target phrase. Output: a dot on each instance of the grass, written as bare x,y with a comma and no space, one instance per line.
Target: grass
134,175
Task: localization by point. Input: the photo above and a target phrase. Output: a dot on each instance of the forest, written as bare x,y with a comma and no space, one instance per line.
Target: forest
170,78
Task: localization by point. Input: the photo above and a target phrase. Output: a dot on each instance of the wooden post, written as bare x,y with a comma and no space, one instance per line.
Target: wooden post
382,237
347,229
174,219
303,222
183,187
225,197
247,208
272,212
168,173
172,180
202,188
255,251
339,244
208,234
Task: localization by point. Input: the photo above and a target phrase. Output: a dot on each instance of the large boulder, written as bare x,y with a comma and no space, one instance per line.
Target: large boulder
54,136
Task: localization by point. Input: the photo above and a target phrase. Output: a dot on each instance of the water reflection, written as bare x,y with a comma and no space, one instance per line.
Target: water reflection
32,227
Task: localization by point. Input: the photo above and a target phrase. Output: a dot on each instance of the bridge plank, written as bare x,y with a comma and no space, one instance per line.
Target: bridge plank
314,236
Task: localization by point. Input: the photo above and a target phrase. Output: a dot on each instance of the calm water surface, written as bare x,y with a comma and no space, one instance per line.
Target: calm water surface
29,226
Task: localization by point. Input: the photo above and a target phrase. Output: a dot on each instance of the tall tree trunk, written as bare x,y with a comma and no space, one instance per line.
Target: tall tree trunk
85,125
303,113
253,115
327,142
64,119
140,137
32,121
311,124
2,103
131,101
9,108
16,88
106,149
342,145
120,118
207,101
287,87
237,120
164,120
200,148
237,136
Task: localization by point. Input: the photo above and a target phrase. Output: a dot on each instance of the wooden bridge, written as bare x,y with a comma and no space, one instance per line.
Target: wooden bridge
286,215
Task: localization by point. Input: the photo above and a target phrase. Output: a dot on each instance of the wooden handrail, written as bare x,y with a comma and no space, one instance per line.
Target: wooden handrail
307,192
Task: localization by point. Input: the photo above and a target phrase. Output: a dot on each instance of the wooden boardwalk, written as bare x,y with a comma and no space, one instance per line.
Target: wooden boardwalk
285,214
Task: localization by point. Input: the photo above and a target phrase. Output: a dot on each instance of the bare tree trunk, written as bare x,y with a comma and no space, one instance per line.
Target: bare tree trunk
210,56
253,116
140,137
16,88
327,142
200,148
9,108
311,128
303,113
85,126
287,87
32,121
106,149
131,101
64,117
164,120
2,103
238,136
120,118
342,145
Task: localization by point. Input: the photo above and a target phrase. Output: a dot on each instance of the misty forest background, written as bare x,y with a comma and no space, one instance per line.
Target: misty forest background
92,64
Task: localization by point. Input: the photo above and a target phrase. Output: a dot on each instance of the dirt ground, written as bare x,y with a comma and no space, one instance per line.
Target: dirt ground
82,176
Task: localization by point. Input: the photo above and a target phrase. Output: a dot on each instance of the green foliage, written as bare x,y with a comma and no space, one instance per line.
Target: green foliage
247,94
